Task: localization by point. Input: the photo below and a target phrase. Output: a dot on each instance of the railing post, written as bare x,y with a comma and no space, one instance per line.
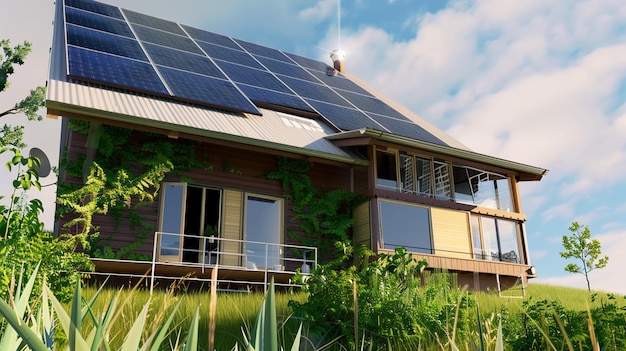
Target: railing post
266,267
202,252
154,253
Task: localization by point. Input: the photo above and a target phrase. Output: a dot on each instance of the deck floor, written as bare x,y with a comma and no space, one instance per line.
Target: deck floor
229,277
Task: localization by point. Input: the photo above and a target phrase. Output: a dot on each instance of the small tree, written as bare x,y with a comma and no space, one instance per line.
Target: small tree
580,246
9,58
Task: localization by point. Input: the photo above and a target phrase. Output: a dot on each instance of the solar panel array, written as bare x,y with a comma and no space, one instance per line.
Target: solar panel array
133,51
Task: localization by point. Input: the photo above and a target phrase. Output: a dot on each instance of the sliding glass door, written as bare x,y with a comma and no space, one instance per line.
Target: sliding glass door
263,225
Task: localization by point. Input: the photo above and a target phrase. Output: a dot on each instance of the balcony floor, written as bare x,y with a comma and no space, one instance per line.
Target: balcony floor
230,278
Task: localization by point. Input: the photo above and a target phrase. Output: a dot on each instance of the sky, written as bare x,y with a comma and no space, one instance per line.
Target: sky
541,82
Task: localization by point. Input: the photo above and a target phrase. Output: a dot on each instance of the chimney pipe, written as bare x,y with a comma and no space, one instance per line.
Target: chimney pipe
338,57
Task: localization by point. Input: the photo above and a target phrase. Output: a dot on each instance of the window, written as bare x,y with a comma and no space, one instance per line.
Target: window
404,225
186,211
415,175
442,180
386,174
481,188
495,239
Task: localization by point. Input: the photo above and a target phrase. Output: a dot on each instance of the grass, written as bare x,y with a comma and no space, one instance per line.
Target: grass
570,298
236,311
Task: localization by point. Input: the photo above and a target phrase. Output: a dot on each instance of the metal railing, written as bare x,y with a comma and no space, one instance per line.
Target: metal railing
211,251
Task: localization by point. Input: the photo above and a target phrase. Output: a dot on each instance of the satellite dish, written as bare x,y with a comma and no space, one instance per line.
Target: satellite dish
44,168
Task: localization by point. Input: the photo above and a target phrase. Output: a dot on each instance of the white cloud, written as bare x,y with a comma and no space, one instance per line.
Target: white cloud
320,10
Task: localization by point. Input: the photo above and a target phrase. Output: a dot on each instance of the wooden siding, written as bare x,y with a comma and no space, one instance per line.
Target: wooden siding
232,227
361,229
451,237
469,265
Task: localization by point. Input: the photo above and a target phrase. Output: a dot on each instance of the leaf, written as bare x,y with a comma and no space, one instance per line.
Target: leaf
265,333
65,321
192,337
499,342
133,338
22,329
160,337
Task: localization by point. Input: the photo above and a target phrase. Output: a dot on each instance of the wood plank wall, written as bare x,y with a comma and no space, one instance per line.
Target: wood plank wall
451,237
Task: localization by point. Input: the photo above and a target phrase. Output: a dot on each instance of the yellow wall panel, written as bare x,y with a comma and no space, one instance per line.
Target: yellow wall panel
233,210
451,237
362,225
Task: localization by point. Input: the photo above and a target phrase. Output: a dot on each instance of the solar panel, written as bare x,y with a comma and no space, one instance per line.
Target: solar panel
116,71
102,48
97,7
338,80
264,96
286,69
153,22
97,21
251,76
406,128
309,63
211,91
182,60
212,38
315,91
105,42
263,51
229,55
372,104
344,118
167,39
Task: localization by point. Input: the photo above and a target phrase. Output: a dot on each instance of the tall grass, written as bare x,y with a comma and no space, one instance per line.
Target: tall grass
236,313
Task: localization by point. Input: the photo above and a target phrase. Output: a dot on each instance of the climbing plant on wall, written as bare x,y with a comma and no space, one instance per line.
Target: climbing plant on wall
123,176
324,217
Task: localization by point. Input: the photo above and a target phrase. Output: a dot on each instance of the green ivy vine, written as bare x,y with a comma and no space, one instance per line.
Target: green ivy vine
125,176
325,217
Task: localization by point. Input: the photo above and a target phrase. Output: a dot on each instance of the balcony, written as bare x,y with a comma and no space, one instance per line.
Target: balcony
241,264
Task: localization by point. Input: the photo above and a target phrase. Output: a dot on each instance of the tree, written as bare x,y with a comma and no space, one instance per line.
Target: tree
24,244
9,58
580,246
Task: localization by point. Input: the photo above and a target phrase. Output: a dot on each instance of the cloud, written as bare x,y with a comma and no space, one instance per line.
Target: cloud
320,10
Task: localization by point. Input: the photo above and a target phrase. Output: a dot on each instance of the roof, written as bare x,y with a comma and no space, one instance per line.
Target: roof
112,64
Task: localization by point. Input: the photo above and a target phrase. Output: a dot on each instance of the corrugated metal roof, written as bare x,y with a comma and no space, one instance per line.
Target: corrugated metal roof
273,129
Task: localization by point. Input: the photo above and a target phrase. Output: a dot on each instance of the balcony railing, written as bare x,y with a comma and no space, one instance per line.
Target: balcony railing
207,252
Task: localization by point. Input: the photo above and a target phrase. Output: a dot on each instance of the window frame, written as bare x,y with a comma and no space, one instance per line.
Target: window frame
381,224
485,254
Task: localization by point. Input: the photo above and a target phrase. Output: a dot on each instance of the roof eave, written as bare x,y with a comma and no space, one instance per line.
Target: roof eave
526,172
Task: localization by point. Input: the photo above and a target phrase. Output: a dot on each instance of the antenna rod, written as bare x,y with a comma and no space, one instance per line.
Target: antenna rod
339,23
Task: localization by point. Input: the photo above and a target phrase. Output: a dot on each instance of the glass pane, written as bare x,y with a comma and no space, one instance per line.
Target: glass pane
490,236
465,183
442,181
386,171
405,226
494,192
424,177
508,241
407,174
503,193
262,232
171,222
476,242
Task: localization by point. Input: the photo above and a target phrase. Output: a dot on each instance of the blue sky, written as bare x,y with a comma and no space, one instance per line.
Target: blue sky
538,82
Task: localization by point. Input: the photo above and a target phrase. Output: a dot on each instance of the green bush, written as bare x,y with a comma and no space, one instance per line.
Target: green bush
394,307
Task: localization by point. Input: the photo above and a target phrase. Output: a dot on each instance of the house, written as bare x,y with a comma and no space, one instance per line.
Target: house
237,108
